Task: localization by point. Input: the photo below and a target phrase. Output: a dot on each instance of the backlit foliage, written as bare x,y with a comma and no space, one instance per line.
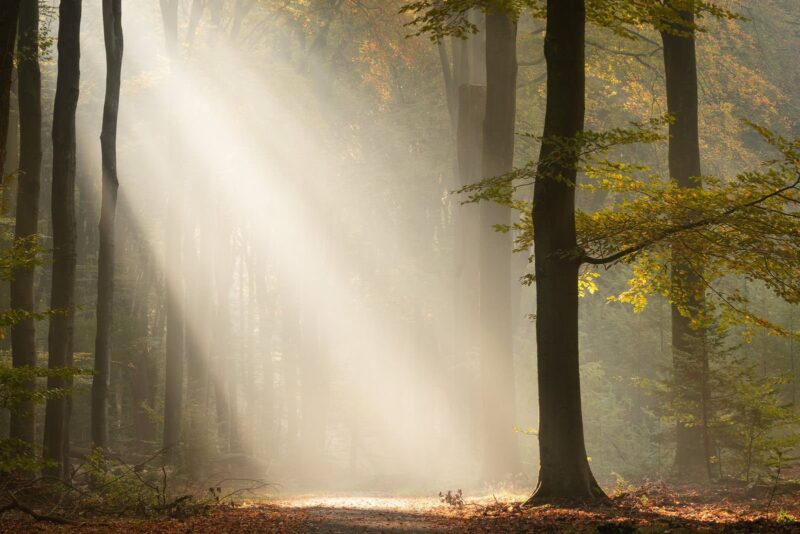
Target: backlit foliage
745,226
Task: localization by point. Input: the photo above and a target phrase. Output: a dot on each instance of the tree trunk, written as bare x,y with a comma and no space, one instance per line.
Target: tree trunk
564,473
196,446
690,359
62,299
174,372
8,37
112,31
501,453
471,104
23,333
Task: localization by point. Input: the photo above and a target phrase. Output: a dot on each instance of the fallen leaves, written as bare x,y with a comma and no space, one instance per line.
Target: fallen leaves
650,508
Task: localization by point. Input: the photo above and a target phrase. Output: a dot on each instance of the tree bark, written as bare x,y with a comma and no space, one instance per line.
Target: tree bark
501,453
57,413
112,32
471,104
564,473
690,359
174,372
9,16
23,333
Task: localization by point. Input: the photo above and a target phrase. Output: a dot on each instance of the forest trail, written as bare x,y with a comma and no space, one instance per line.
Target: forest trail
651,509
337,515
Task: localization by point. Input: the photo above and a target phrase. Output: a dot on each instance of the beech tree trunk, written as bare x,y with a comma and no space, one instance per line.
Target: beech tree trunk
9,16
466,401
564,473
57,413
112,31
501,453
23,333
690,359
174,372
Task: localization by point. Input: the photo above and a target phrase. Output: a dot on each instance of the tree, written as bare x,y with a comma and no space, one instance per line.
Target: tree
57,414
23,333
690,358
8,38
501,454
173,387
112,32
564,472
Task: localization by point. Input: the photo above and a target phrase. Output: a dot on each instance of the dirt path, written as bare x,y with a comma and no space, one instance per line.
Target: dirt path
374,515
652,510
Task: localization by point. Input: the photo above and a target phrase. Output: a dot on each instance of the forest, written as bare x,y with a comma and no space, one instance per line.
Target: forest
395,266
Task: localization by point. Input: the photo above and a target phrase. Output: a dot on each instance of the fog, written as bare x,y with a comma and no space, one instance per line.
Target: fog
317,252
289,231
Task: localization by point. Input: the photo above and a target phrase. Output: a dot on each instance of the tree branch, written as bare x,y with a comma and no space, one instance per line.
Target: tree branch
686,227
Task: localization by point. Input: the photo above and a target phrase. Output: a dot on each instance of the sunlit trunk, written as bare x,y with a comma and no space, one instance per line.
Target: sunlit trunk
23,333
57,414
264,353
196,446
690,358
112,31
471,103
174,374
564,473
501,453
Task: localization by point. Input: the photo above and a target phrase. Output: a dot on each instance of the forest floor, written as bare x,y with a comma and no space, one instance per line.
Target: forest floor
649,509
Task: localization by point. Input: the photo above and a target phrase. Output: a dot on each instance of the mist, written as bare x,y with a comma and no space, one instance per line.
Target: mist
459,257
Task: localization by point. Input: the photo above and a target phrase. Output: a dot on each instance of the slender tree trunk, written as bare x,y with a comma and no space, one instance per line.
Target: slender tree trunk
174,373
195,14
690,359
243,7
11,164
471,104
451,95
9,16
501,453
466,104
196,433
564,473
265,353
57,414
112,31
23,333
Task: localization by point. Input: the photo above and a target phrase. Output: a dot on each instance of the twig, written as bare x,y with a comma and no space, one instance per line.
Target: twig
16,505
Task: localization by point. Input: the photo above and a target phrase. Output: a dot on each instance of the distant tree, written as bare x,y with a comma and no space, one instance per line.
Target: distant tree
112,32
174,375
501,454
57,414
690,358
23,333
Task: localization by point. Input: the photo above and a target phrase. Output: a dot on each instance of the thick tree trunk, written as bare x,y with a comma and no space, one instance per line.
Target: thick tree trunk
174,372
564,473
112,31
57,414
9,15
690,359
23,333
501,453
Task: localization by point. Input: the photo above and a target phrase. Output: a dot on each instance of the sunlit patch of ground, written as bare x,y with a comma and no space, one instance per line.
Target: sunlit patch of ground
383,502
